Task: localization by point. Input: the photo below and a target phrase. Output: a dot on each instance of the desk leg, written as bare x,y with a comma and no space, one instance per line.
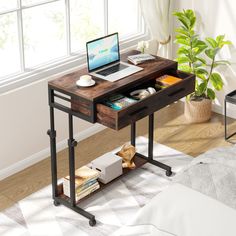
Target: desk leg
133,133
52,135
150,136
71,144
150,148
225,116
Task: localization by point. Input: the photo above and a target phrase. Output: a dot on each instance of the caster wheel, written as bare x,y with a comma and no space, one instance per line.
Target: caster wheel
168,173
56,203
92,222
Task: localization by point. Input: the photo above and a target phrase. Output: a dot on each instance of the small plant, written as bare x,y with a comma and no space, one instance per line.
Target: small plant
142,45
190,56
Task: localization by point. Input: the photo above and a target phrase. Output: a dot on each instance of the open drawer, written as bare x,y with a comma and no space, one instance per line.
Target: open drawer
117,119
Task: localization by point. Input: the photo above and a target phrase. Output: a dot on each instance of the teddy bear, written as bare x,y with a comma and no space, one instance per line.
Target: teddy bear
127,154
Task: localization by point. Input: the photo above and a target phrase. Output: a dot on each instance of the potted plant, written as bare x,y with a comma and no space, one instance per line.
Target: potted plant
199,57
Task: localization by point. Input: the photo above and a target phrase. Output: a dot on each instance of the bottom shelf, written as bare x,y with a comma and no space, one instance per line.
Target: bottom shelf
138,162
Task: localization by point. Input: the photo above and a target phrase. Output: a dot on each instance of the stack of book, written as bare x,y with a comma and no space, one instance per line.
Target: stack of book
85,182
140,58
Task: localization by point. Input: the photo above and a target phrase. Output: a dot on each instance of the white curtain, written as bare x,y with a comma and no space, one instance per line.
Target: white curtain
156,15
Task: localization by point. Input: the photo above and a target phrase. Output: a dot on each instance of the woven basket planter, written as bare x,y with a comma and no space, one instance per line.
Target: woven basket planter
197,111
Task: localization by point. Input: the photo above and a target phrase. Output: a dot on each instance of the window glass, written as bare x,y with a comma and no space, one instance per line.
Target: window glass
7,5
44,33
87,22
31,2
123,17
9,45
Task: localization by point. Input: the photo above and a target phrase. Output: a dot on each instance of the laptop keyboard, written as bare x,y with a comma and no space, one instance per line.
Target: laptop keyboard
112,69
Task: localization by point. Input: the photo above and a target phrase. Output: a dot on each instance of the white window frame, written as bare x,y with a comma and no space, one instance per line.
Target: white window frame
62,65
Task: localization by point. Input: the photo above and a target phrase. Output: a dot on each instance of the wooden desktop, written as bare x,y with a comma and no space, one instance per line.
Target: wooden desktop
87,104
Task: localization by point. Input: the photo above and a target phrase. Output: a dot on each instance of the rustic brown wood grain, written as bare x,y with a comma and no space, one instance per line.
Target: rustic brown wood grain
67,83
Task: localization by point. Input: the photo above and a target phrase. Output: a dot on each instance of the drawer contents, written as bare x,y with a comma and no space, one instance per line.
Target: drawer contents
127,154
119,101
85,182
177,85
166,81
142,93
109,165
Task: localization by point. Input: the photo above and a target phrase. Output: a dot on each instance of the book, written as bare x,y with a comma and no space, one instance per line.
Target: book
166,81
87,192
117,102
140,58
66,187
83,175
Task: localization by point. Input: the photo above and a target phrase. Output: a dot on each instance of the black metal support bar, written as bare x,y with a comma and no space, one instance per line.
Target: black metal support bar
157,163
52,134
149,158
225,116
150,136
133,133
76,209
71,144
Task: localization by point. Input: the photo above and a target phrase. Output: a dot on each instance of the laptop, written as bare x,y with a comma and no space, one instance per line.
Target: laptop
103,58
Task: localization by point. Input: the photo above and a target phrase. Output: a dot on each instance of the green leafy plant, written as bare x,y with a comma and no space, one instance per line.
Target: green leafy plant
198,56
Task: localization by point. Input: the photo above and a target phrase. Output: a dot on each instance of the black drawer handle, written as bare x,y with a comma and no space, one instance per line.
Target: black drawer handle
138,111
175,92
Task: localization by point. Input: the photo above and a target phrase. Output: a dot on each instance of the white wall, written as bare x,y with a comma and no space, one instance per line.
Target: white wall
216,17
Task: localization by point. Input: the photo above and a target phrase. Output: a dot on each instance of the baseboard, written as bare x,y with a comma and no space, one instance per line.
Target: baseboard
29,161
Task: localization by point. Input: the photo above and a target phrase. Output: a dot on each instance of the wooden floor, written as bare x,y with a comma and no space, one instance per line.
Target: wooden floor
171,129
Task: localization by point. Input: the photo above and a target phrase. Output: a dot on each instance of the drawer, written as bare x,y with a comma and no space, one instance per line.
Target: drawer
121,118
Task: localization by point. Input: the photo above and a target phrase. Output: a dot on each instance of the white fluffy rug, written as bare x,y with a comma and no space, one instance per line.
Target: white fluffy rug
113,207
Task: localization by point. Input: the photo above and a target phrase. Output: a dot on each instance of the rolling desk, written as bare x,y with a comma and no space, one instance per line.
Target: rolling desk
87,104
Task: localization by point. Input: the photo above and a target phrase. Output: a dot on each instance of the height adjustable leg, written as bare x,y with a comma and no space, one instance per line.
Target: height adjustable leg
149,158
150,136
71,144
133,133
52,134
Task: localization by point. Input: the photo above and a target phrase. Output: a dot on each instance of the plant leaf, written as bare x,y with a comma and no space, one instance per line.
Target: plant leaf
183,50
210,53
198,43
201,88
179,36
185,21
182,41
202,60
182,31
211,94
216,81
185,68
212,42
202,71
220,38
201,76
223,62
183,59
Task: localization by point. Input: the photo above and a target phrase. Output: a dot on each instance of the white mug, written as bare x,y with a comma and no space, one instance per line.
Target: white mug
85,79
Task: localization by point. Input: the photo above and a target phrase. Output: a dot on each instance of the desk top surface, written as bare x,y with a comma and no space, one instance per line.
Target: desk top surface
67,83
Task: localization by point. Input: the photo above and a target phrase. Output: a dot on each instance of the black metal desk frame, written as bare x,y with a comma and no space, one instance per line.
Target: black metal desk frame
229,98
52,93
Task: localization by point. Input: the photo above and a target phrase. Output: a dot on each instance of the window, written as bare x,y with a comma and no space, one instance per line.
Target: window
36,34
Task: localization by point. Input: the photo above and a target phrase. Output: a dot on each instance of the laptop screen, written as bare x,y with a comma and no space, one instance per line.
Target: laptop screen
102,52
